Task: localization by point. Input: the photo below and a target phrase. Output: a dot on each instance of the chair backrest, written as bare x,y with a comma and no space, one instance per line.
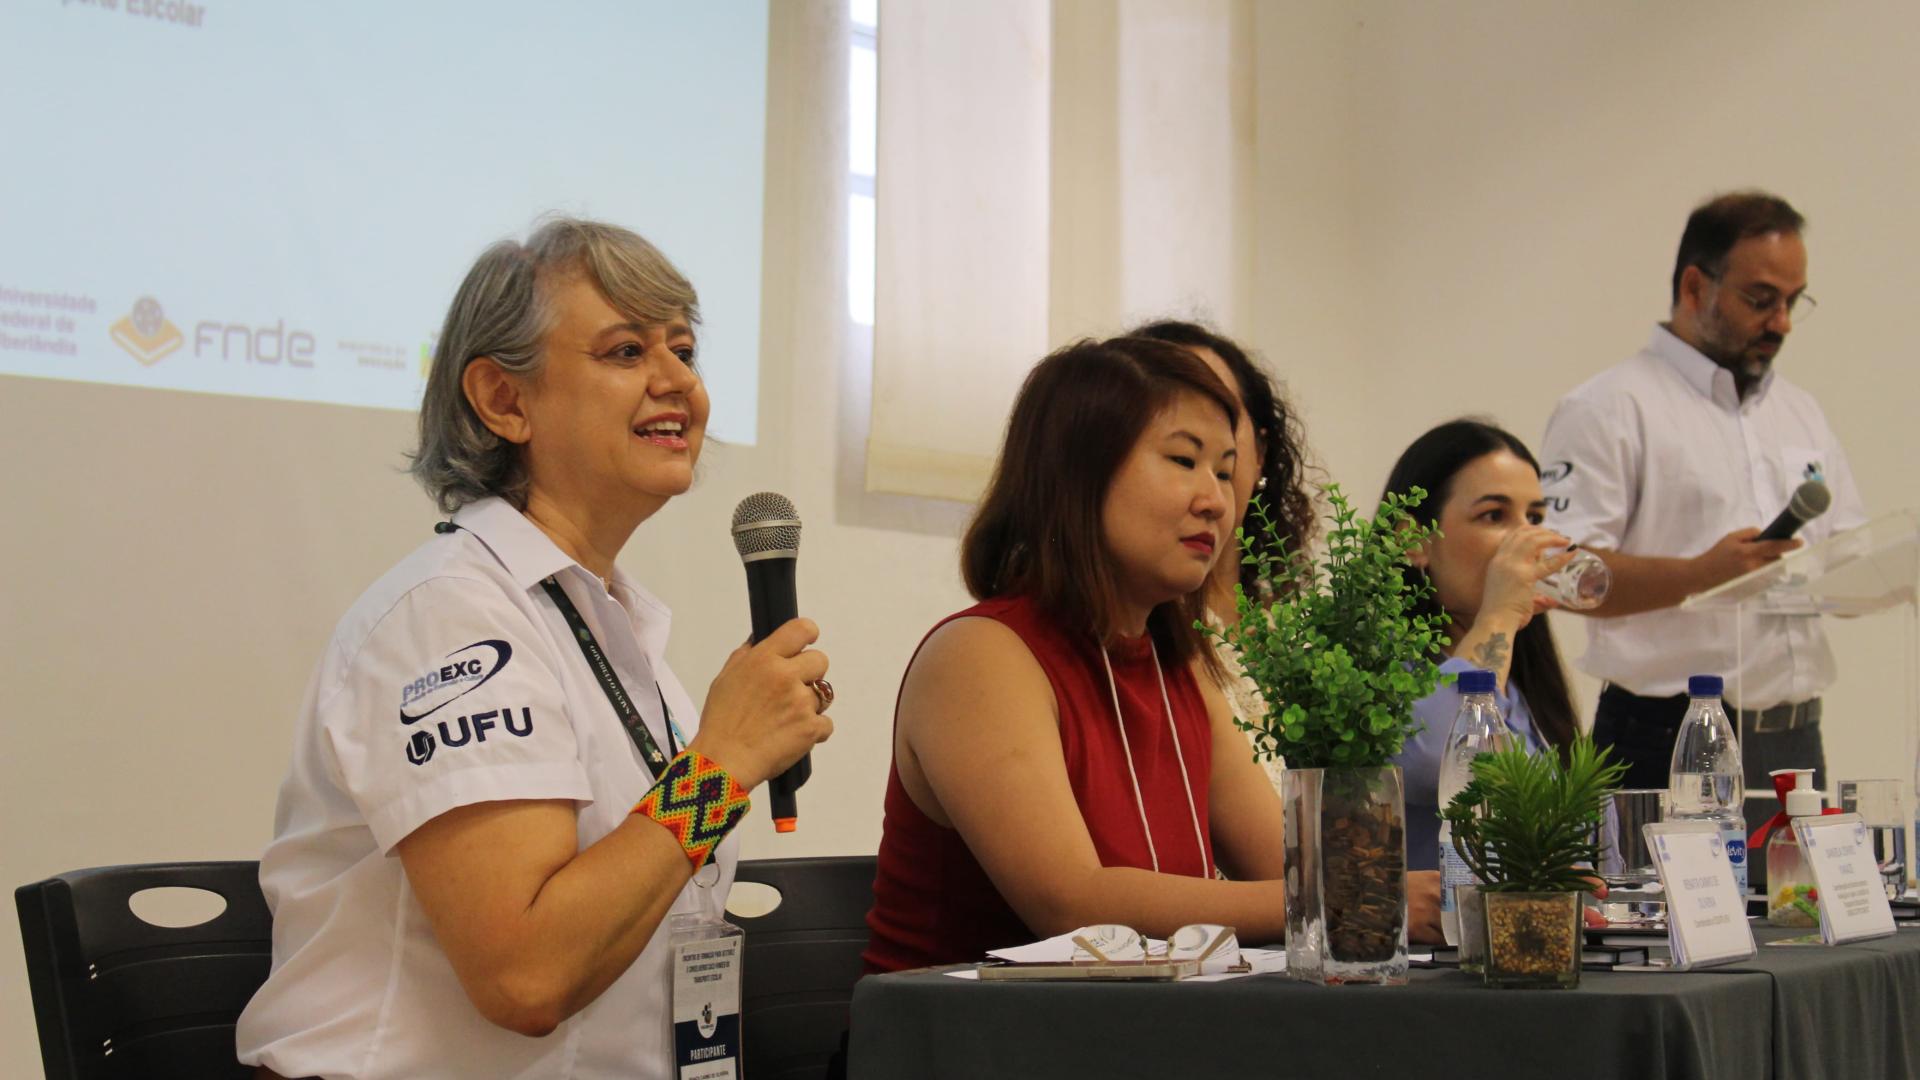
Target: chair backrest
802,959
116,996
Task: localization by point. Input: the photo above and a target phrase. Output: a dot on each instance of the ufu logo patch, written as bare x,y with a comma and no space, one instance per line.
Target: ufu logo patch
459,731
465,670
420,747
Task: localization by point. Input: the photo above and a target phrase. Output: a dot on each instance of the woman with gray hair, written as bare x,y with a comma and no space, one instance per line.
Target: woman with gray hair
497,713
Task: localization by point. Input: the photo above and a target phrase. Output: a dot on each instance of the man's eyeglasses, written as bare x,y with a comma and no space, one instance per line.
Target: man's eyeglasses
1216,947
1799,306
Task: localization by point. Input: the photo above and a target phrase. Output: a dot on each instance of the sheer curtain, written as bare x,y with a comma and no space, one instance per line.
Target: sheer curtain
1046,171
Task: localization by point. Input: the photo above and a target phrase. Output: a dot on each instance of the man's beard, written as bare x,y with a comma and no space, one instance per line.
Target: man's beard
1744,357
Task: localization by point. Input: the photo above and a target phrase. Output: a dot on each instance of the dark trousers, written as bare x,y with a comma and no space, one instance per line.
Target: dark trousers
1640,732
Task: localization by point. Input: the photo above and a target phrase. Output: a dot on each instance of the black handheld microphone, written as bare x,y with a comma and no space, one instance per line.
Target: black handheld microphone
1809,501
766,533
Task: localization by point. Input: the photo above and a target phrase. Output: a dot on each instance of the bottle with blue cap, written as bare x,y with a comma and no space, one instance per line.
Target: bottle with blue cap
1705,782
1478,728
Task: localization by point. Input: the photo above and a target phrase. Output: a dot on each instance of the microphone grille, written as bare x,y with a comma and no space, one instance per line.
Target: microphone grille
765,524
1812,498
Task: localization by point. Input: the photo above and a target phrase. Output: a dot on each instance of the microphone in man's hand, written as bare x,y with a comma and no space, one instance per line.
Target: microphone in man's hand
766,533
1809,501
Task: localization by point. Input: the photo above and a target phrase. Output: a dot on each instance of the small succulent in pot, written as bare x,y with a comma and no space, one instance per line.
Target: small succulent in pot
1528,827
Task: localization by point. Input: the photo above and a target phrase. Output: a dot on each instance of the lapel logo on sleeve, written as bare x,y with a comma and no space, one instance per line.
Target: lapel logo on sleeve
465,670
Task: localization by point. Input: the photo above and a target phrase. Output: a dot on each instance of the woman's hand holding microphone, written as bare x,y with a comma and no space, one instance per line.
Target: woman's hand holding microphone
763,711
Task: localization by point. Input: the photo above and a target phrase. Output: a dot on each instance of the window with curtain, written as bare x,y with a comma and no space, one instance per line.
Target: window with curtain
863,129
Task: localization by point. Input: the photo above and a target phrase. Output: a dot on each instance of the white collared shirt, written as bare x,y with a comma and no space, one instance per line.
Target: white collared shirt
1659,456
454,680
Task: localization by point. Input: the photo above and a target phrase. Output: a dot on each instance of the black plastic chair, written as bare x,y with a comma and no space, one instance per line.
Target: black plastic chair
116,996
802,959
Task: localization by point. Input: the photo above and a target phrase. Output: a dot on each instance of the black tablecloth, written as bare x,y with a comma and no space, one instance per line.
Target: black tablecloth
1791,1012
1848,1011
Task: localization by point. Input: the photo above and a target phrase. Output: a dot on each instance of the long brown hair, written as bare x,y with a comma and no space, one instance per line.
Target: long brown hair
1038,530
1431,464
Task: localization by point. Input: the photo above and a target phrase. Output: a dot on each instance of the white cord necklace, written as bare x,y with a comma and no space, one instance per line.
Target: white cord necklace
1139,803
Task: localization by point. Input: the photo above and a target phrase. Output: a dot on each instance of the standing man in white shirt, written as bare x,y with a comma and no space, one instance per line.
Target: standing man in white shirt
1668,465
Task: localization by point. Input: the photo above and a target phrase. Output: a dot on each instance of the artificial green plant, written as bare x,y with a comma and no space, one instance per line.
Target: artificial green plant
1342,657
1529,822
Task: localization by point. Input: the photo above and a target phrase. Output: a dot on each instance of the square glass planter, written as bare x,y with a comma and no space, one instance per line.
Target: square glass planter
1533,939
1346,856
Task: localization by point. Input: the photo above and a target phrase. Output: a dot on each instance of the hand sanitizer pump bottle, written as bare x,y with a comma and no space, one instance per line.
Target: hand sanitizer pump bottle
1792,899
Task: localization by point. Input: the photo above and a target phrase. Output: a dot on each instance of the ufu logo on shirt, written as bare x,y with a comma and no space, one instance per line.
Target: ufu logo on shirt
461,730
465,670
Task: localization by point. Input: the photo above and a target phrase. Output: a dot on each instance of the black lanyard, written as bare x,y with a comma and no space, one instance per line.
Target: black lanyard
610,684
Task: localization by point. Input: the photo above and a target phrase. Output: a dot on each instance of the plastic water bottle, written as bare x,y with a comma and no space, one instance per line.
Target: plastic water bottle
1477,728
1705,782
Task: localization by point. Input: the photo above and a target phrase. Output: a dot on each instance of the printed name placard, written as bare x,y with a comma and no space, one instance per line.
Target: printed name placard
1706,915
1852,898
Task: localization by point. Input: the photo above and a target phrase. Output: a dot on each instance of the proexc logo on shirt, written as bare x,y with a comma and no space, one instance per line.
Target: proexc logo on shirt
464,671
1556,472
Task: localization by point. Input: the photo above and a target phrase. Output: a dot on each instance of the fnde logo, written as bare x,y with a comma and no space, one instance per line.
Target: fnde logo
145,332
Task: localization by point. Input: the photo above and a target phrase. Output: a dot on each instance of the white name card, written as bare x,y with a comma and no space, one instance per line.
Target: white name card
1852,899
1706,915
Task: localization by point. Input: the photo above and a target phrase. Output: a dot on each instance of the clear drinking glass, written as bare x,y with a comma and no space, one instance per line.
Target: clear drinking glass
1878,804
1624,856
1580,585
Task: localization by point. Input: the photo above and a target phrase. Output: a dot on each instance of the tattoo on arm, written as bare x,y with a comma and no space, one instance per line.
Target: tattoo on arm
1492,653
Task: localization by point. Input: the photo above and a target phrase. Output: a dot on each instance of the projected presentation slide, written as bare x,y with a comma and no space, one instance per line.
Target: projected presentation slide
277,199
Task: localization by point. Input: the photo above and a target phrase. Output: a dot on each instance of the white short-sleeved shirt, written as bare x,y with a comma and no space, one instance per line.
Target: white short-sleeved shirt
454,680
1659,456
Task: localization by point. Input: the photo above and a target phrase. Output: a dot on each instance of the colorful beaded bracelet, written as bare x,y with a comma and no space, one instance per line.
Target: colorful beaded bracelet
698,802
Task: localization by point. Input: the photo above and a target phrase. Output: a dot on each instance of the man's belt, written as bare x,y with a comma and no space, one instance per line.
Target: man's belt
1787,716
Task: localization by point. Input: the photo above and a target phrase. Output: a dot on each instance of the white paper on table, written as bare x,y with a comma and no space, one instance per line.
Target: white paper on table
1054,950
1059,949
1262,961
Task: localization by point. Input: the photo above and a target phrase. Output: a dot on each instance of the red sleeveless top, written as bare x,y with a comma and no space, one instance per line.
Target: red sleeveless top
934,904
